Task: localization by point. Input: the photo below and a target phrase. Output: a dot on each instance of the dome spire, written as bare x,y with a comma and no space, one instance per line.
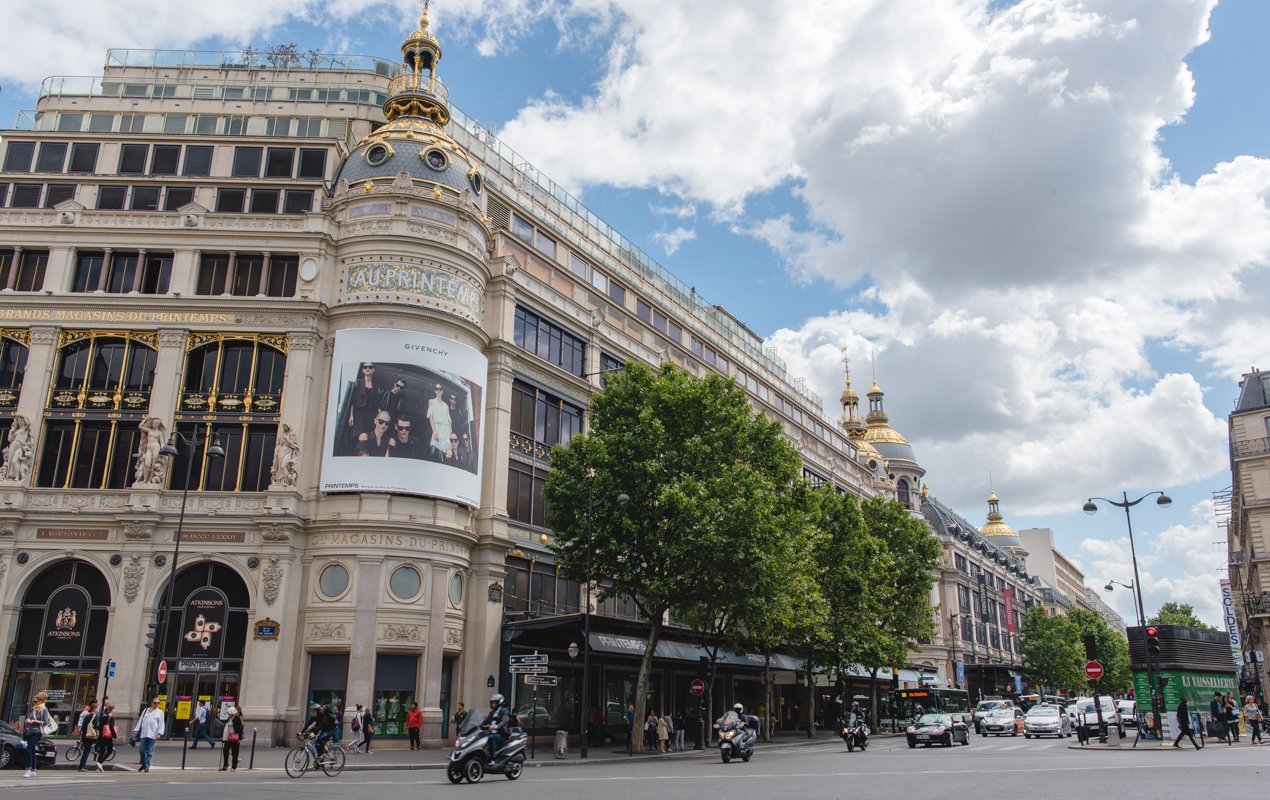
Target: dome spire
417,92
851,422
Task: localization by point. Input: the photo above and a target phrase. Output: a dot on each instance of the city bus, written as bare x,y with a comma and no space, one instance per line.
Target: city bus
944,701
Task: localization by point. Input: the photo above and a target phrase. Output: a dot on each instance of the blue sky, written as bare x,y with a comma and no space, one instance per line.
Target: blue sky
1044,219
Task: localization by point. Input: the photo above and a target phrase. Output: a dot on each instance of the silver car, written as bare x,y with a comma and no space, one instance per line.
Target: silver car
1046,720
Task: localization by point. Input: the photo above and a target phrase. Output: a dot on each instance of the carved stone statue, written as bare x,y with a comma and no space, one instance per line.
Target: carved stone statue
152,468
285,455
19,454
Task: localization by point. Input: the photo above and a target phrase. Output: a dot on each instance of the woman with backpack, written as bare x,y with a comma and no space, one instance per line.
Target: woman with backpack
356,725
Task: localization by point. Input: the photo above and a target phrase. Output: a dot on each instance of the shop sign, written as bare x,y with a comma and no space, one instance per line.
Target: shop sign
198,665
267,629
71,533
205,615
65,619
183,708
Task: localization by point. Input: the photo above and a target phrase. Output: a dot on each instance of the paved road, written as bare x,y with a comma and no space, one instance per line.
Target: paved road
987,768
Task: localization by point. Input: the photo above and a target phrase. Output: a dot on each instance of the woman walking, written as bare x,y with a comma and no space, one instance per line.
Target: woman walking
1252,715
368,728
356,725
106,735
232,739
1232,714
87,733
663,732
37,719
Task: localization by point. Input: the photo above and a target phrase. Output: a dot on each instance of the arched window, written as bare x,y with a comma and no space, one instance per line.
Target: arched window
233,389
100,393
902,491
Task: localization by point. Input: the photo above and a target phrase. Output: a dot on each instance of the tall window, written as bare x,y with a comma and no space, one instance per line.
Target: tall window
537,588
233,389
549,341
100,394
145,273
247,274
539,422
23,270
14,346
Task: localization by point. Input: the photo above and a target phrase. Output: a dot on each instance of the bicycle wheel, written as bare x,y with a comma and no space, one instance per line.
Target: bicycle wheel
297,762
73,753
333,763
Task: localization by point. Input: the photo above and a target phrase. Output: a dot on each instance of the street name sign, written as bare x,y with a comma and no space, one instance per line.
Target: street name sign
517,669
527,659
541,680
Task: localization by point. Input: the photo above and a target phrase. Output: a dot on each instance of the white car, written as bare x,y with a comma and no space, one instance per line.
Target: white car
1087,715
984,706
1045,719
1128,711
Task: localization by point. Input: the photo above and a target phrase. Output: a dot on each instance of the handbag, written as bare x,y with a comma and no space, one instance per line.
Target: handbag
50,727
233,737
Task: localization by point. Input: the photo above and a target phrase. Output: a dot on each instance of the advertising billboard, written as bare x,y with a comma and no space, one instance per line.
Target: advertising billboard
404,415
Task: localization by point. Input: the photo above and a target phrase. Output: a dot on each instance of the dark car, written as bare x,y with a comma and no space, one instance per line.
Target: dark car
942,729
14,753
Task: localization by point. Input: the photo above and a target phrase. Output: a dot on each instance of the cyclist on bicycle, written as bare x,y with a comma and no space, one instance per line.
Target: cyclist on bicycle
321,726
496,722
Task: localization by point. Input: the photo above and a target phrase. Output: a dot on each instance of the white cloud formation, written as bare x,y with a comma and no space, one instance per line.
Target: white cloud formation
1182,563
672,240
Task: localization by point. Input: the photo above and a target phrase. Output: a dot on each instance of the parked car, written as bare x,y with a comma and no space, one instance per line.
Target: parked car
1004,721
1087,715
1046,719
984,706
942,729
1128,712
13,754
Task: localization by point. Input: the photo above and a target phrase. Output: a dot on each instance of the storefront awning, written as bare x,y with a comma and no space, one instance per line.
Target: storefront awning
623,644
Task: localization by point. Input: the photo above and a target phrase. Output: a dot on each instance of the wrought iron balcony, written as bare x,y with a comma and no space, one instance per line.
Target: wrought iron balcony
1251,447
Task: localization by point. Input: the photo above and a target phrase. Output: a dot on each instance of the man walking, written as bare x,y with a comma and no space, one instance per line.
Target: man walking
1184,725
147,732
202,724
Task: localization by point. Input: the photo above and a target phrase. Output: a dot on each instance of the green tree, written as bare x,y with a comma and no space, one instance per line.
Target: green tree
1179,614
709,484
1051,649
1113,650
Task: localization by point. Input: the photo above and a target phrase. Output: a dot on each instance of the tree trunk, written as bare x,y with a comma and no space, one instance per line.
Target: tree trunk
873,698
640,701
811,697
766,723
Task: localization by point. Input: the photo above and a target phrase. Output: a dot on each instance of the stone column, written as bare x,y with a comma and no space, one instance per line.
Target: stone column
433,655
361,658
169,368
298,396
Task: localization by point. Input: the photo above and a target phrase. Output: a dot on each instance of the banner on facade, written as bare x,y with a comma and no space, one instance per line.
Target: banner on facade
204,629
1232,624
65,621
404,415
1009,608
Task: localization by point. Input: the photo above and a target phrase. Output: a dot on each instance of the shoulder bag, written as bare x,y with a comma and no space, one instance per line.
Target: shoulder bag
50,725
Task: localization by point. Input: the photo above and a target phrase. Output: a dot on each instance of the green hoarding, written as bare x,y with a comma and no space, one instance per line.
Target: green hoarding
1196,687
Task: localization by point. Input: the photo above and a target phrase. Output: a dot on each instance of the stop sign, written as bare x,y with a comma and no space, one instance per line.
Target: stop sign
1093,670
163,671
697,687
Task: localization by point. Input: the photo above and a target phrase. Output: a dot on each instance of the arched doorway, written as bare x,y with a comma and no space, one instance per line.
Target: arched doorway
204,639
61,632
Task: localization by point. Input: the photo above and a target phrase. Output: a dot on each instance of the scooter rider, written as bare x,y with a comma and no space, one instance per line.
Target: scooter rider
497,724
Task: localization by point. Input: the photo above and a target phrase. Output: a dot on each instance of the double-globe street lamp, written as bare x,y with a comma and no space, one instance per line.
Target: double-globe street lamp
1130,586
1163,501
170,451
621,500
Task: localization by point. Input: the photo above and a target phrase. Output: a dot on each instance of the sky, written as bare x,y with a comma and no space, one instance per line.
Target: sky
1042,225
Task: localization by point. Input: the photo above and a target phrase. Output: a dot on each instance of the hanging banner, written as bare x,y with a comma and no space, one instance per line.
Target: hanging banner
404,415
203,632
65,622
1232,625
1009,608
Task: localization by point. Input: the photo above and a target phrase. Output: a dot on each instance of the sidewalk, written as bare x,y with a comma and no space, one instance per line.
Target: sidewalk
167,756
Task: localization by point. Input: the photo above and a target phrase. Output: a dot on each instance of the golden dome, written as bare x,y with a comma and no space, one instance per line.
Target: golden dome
848,395
881,431
996,523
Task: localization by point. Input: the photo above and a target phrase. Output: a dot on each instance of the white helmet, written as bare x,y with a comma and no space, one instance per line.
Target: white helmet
496,698
738,708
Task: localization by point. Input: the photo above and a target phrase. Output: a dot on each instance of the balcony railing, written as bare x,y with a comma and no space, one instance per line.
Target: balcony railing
410,83
1251,447
251,59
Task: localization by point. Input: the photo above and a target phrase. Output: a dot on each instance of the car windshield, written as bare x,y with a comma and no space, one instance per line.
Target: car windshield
1087,707
1001,712
989,705
1043,711
934,719
9,729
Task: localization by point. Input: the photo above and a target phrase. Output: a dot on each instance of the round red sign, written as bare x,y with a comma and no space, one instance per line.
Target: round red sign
697,687
1093,670
163,671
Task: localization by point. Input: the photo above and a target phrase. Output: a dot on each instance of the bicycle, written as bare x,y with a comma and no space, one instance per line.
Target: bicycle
305,757
74,752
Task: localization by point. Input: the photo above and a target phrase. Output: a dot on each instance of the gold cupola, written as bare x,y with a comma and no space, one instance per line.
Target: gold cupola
879,425
417,92
1001,534
851,422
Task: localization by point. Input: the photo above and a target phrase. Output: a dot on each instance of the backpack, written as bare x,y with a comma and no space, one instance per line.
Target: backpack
356,724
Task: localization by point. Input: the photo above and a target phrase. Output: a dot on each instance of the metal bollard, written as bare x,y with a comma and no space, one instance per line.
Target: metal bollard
251,762
186,746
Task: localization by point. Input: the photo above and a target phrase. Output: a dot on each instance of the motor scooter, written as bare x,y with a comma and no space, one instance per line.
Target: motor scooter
855,732
470,758
736,737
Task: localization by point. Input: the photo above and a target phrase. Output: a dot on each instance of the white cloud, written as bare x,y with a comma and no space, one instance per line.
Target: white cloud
672,240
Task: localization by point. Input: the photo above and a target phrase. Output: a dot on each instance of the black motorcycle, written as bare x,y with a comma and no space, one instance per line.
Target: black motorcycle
471,759
855,732
736,737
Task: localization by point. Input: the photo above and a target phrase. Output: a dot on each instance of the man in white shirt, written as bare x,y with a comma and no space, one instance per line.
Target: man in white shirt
147,732
202,728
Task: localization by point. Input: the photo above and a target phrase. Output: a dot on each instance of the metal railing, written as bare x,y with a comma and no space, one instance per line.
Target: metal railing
419,84
311,60
1251,447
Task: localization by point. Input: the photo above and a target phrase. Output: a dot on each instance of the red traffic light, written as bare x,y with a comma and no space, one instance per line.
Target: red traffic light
1150,630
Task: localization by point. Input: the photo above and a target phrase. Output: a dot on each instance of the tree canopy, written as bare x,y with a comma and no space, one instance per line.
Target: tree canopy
1179,614
1052,649
1113,650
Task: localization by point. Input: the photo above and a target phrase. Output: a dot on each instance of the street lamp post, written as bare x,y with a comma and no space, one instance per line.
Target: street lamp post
1130,586
956,634
170,451
622,499
1163,501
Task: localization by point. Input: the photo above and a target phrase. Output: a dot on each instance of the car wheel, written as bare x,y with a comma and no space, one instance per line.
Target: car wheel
1027,736
912,745
6,757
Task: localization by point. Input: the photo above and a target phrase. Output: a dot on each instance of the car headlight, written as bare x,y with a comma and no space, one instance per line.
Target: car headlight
910,729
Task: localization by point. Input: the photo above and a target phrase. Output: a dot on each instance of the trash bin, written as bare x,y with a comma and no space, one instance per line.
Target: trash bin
562,744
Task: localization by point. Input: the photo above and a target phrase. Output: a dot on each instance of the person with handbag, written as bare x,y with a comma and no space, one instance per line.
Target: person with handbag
356,725
1232,715
106,735
87,733
147,732
38,723
1252,715
232,737
368,729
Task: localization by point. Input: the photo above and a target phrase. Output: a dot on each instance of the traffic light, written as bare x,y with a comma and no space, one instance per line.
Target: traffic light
1153,642
707,668
1164,681
152,636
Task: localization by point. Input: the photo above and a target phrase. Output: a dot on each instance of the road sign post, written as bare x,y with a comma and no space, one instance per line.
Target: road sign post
162,673
1094,671
697,687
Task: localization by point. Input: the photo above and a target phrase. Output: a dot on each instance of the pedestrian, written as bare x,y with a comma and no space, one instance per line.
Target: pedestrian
339,723
148,731
628,719
461,715
106,734
37,720
87,733
1217,712
202,726
663,732
1252,715
356,726
368,728
231,740
650,731
414,722
1184,725
1232,714
679,731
